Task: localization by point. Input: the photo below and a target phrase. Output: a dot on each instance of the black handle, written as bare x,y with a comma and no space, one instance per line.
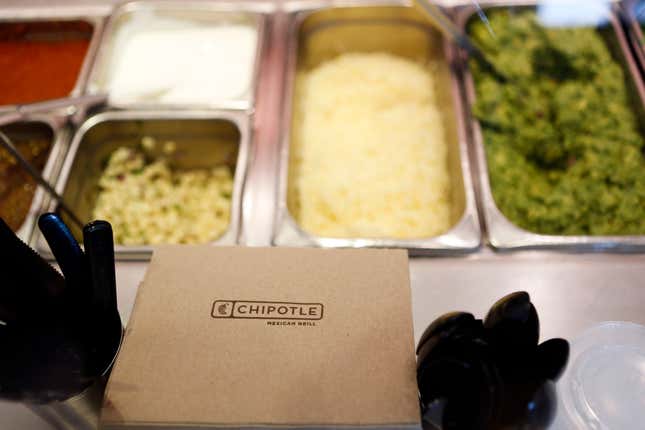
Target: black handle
69,255
99,247
29,283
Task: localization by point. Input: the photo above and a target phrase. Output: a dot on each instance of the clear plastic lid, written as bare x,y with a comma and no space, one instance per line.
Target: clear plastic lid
603,387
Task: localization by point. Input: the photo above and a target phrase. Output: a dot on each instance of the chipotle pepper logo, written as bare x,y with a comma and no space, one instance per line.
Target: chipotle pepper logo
248,309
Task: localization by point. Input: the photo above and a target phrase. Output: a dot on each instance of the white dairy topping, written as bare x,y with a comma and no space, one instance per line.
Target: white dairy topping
177,61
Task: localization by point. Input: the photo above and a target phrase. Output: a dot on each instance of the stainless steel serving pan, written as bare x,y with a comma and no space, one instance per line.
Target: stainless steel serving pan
316,32
53,123
252,13
502,233
51,128
55,14
203,138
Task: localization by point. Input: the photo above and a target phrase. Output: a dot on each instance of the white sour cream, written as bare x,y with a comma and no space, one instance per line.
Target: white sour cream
156,59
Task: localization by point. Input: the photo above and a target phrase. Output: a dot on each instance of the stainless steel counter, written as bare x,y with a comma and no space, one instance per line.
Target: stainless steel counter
570,291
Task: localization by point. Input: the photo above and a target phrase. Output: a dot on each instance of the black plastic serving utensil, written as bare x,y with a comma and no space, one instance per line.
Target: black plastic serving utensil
41,354
540,411
551,358
462,373
68,254
492,374
513,322
530,405
453,362
99,246
57,342
452,326
44,362
445,325
29,284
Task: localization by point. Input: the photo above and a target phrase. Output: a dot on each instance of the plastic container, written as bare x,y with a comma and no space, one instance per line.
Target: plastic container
603,387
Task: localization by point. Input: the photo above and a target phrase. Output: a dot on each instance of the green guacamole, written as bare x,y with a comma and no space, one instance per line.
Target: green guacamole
563,143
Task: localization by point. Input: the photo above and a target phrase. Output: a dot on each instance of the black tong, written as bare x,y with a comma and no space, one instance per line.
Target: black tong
57,333
99,248
29,284
491,373
68,255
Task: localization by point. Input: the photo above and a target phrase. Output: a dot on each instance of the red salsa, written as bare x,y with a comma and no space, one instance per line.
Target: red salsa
41,60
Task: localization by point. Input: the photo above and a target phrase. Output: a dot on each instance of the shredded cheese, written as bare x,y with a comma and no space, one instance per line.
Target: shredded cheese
368,150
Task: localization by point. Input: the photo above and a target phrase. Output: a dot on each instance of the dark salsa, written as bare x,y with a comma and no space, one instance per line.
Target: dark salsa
17,188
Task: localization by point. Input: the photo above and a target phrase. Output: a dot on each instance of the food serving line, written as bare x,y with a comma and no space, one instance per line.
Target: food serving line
573,290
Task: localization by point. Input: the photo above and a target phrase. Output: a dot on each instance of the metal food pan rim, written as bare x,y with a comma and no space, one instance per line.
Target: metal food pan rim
259,12
96,21
143,252
460,5
634,31
504,235
260,7
311,6
435,244
465,232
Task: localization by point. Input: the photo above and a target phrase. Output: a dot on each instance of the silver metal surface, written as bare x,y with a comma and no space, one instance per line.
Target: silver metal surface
54,14
69,104
252,13
44,126
502,233
204,138
571,291
316,34
78,413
